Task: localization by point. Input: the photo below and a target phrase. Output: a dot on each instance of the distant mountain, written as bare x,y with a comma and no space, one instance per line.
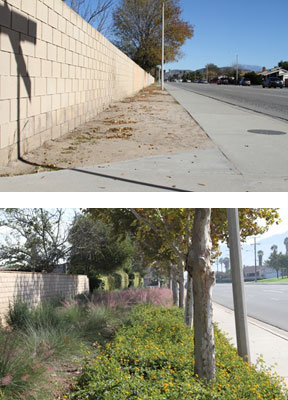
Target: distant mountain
250,67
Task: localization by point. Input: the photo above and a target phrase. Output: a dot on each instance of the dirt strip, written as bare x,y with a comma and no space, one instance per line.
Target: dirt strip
149,124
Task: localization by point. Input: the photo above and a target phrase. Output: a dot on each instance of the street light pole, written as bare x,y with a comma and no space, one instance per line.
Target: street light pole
238,284
163,33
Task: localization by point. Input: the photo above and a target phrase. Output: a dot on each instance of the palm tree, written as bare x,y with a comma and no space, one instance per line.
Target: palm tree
286,245
260,257
221,260
273,259
226,262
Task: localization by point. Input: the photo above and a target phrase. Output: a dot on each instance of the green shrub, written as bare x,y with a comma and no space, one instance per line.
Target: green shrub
134,280
18,314
152,358
121,280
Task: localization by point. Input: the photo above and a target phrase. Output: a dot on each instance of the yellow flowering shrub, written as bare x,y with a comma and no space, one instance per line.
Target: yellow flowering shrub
152,358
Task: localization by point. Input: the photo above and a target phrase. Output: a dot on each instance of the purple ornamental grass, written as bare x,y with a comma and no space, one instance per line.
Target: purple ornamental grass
6,380
131,297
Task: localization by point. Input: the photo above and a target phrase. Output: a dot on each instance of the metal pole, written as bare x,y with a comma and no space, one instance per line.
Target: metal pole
237,69
163,33
255,259
238,284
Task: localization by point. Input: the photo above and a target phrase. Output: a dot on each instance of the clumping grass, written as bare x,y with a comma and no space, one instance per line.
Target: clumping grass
39,338
131,297
152,358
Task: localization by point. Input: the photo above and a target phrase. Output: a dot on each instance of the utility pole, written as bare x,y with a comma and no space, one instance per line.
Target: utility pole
237,69
238,284
163,33
255,258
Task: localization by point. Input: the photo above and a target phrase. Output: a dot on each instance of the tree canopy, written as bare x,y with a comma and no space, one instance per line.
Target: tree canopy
35,239
96,250
283,64
137,26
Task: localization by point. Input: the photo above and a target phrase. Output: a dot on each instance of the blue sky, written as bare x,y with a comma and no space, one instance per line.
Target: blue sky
255,30
275,235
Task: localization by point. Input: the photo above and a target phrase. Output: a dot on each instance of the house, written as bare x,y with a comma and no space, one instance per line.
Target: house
263,272
275,72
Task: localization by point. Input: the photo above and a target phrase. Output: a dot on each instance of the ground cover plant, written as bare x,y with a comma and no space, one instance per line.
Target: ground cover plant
151,357
40,342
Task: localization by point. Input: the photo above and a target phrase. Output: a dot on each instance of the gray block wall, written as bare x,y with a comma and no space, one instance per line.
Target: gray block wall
36,287
56,72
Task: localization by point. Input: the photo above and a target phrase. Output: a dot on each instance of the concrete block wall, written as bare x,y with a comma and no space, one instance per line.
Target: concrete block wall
56,72
36,287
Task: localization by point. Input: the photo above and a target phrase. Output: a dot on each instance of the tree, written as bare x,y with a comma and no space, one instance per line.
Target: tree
199,265
36,238
283,64
226,262
94,12
273,260
286,244
254,78
95,250
212,71
137,26
283,263
173,230
260,257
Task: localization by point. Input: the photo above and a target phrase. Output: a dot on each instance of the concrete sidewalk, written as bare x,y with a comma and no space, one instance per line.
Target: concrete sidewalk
237,161
265,340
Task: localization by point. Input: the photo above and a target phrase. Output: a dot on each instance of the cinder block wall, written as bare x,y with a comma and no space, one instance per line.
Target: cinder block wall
56,72
35,287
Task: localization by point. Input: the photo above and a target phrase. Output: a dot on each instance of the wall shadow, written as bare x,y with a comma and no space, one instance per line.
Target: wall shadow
117,178
22,71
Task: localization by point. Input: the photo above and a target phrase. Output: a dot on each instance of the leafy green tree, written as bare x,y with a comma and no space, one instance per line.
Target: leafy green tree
283,64
253,78
95,250
137,27
283,263
177,236
189,76
35,238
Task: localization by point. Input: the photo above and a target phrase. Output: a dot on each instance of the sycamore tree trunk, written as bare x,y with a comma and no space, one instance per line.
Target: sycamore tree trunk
175,287
181,284
189,302
203,281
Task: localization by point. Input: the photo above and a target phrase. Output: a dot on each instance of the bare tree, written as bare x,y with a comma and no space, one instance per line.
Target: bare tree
95,12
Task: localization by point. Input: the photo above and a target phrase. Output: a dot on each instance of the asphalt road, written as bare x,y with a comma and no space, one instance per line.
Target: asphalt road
267,303
272,102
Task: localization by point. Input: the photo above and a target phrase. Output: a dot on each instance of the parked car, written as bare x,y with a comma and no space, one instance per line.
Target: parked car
223,81
245,82
273,82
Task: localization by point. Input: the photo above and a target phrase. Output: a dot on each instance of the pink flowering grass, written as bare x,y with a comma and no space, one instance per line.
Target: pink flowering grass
132,297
